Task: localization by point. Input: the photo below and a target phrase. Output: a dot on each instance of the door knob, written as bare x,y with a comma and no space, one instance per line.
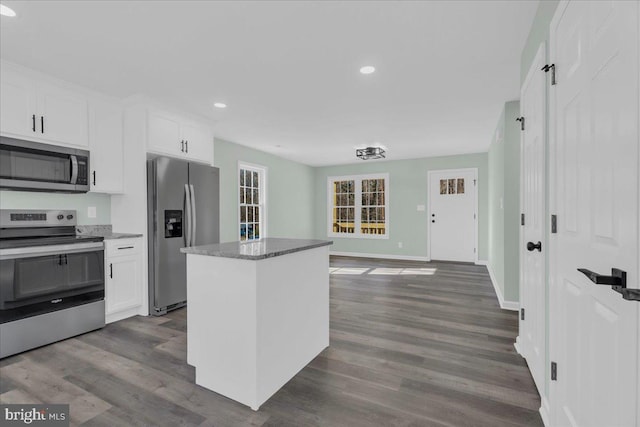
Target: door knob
531,246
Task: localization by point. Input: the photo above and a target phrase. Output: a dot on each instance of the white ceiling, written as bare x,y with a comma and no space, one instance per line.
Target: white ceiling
289,70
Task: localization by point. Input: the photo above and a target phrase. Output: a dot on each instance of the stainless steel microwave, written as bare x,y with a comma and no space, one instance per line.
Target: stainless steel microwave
32,166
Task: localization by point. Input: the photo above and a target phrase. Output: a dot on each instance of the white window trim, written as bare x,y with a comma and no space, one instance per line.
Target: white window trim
262,174
358,205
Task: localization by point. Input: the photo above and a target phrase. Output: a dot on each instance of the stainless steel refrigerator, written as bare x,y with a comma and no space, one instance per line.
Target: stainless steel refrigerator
184,210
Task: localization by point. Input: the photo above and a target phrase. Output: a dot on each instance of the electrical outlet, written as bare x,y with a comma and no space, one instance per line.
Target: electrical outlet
91,212
400,245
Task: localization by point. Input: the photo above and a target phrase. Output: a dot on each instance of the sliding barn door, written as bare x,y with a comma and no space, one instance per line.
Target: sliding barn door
595,149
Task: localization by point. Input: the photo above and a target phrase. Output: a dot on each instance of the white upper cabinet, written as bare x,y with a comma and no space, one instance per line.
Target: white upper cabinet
62,115
164,134
42,111
175,136
106,145
198,142
17,105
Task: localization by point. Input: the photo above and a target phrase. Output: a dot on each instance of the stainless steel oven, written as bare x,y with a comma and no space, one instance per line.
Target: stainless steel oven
32,166
51,281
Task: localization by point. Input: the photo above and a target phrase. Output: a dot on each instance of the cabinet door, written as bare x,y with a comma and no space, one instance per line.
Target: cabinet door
62,116
124,279
106,144
164,134
199,142
17,105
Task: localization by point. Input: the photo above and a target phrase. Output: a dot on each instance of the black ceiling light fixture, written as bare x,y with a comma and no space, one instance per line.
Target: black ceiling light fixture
370,153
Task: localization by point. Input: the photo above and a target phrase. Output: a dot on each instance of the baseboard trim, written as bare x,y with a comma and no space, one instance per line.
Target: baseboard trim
482,262
544,411
381,256
517,346
505,305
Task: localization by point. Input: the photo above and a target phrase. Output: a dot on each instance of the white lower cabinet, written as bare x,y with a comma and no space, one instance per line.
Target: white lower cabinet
123,284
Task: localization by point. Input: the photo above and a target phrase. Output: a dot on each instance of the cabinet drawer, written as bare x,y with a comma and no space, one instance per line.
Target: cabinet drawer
121,247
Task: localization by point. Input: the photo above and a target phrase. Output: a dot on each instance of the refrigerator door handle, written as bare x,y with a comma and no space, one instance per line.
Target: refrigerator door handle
188,214
193,215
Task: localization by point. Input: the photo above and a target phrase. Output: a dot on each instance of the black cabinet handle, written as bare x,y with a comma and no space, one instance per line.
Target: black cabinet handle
94,178
111,271
33,122
186,145
182,145
532,246
617,281
433,220
41,124
126,247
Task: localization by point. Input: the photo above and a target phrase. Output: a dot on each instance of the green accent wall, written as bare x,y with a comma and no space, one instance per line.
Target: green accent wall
504,203
407,190
539,33
290,201
79,202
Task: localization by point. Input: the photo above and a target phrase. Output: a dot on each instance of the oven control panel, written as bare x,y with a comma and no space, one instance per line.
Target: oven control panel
12,218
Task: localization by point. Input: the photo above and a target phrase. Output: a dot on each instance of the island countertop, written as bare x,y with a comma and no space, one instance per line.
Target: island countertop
264,248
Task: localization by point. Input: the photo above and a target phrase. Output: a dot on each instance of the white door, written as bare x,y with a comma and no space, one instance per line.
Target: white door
452,216
532,259
107,145
164,134
595,183
198,142
62,116
17,105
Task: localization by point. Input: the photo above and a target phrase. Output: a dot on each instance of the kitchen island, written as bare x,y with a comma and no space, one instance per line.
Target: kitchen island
258,313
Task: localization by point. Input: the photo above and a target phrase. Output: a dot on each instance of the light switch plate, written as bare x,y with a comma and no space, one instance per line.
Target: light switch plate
91,212
421,208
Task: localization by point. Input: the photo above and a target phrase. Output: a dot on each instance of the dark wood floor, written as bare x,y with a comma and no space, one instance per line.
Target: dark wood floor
412,344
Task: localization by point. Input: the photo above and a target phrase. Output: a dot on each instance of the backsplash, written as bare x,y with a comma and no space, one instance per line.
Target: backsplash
79,202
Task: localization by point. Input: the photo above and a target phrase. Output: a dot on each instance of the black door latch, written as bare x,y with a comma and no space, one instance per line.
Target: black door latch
617,281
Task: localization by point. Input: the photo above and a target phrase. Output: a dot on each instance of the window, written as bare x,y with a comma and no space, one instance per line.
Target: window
358,206
252,202
452,186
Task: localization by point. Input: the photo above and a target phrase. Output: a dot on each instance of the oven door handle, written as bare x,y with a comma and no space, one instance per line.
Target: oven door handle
32,252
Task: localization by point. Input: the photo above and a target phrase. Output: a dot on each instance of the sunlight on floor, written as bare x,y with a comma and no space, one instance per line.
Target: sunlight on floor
383,271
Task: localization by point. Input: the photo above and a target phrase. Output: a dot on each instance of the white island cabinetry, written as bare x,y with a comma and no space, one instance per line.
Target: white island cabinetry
123,270
258,313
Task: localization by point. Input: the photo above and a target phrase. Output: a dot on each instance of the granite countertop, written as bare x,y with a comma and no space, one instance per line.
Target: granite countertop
262,249
103,231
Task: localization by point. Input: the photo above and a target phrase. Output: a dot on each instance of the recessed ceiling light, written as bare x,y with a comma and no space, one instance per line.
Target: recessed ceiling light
367,69
6,11
220,105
